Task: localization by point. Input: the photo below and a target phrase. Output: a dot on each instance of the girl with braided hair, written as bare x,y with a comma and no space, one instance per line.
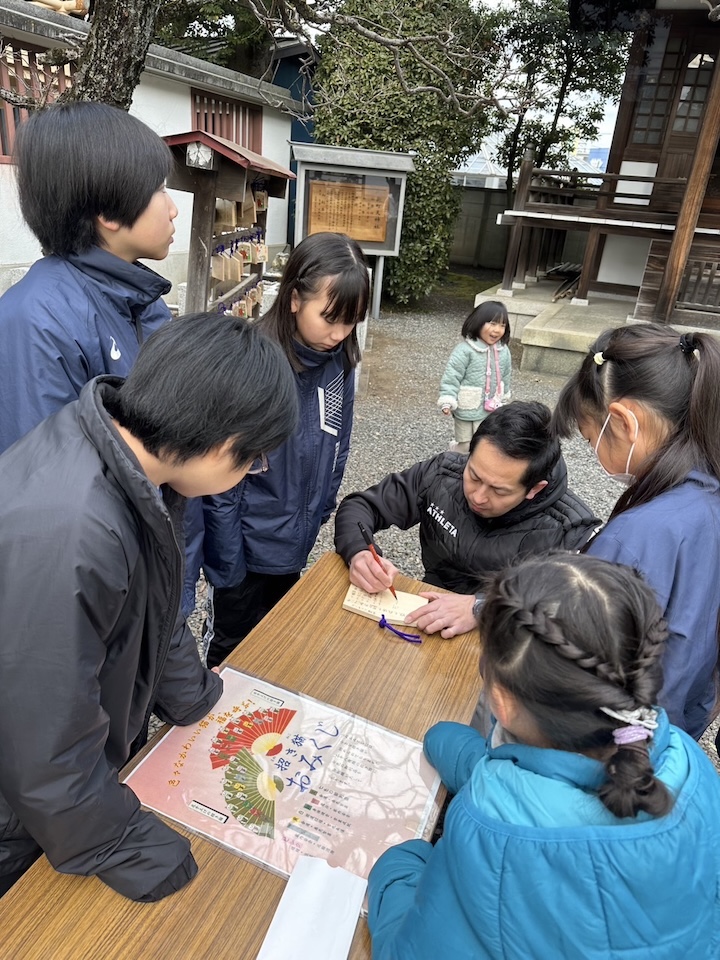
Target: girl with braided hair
585,826
647,400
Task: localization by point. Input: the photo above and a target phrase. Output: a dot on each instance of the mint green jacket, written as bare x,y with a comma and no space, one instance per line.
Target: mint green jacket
462,387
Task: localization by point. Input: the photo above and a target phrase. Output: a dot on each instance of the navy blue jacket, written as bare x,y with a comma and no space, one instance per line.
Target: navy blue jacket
68,320
269,522
674,541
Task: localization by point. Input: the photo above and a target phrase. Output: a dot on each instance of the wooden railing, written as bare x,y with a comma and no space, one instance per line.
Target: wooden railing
548,203
700,287
24,73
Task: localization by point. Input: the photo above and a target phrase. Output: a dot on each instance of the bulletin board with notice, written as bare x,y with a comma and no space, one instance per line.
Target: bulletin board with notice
359,210
365,206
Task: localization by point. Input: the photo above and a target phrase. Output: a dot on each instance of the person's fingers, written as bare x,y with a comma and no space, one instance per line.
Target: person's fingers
429,620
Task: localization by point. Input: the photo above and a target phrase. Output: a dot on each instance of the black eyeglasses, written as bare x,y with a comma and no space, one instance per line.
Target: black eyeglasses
260,465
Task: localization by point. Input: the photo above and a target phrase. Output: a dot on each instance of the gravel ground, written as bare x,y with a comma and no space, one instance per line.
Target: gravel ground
397,422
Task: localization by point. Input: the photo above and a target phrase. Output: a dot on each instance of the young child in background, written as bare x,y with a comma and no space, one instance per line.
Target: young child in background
258,537
586,826
477,377
91,183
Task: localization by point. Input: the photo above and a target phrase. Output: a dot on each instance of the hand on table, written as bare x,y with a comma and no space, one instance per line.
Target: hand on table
366,572
448,614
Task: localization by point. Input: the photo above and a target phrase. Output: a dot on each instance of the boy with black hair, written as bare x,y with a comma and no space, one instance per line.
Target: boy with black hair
91,572
91,183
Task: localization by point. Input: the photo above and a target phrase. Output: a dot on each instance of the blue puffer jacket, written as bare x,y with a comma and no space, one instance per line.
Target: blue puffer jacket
674,541
68,320
532,866
269,522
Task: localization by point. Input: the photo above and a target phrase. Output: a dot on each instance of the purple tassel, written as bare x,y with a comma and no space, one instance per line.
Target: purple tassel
410,637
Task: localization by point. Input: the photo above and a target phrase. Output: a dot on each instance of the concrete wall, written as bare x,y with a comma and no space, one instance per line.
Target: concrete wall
165,105
479,241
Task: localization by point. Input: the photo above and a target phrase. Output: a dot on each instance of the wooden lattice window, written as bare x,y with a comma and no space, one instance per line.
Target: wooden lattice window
656,94
693,94
23,72
230,119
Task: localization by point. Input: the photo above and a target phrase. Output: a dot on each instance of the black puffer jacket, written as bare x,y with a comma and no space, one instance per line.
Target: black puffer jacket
90,580
458,547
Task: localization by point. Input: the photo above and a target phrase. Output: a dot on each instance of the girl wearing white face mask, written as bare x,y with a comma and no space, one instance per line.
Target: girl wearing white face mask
648,401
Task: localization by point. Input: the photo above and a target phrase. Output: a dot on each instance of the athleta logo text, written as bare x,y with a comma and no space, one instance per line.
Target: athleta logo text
438,516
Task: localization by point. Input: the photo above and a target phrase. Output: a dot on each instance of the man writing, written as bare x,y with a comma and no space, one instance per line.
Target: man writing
90,582
508,497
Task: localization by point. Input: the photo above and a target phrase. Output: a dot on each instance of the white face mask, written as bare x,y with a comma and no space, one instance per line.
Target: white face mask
625,478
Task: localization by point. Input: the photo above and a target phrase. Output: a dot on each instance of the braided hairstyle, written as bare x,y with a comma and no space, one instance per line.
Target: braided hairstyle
567,634
677,378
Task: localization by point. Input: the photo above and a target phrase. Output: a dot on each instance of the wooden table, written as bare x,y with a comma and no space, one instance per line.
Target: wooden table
306,643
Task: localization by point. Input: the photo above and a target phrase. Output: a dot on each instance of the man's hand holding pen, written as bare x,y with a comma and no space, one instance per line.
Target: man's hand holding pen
369,575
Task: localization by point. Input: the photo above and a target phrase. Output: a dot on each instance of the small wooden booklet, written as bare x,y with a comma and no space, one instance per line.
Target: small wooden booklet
376,605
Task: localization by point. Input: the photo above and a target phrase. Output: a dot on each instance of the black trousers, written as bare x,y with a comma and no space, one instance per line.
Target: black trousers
9,879
236,610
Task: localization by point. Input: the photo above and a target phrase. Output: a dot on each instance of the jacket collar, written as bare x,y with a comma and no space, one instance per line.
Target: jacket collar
151,503
478,345
315,358
134,283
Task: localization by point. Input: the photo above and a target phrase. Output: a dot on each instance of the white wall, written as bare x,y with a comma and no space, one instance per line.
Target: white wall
623,260
18,246
166,107
276,146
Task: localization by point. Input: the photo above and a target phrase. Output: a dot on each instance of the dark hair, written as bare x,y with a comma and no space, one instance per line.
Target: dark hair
486,312
80,161
521,430
204,379
567,635
676,378
320,257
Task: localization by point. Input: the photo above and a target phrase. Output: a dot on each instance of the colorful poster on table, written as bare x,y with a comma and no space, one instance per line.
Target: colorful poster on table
272,774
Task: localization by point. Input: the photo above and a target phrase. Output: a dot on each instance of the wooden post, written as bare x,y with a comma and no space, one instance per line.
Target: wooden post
591,247
521,194
201,235
534,253
692,204
377,287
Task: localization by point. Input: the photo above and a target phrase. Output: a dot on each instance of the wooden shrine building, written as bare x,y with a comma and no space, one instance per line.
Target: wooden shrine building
652,221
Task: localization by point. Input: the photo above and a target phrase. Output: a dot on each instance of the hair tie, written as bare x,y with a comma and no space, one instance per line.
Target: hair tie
624,736
644,717
599,358
687,345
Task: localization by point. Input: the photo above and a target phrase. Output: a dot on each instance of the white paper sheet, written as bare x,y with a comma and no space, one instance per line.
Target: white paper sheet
317,914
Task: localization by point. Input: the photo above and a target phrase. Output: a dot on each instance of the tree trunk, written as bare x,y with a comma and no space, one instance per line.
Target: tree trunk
114,53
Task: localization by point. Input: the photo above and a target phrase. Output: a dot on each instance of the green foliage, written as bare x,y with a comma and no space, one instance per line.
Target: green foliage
567,78
220,31
361,103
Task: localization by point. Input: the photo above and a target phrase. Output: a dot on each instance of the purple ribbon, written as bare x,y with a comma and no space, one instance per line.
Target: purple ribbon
410,637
